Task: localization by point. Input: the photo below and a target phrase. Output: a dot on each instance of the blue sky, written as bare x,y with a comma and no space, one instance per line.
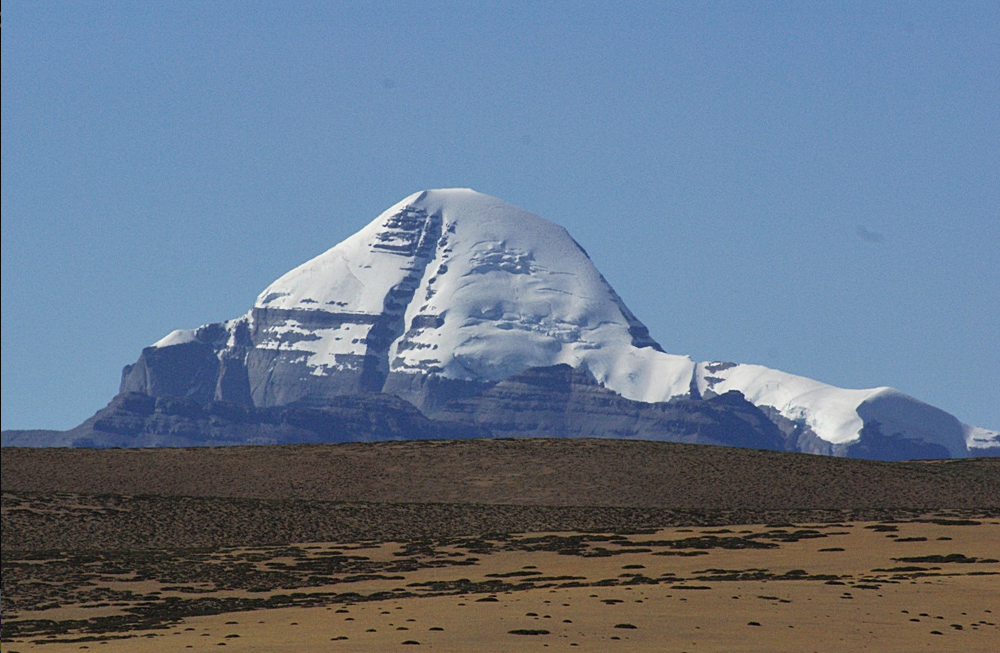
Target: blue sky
810,186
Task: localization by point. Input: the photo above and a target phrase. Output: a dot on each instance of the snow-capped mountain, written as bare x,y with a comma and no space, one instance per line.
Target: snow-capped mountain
451,292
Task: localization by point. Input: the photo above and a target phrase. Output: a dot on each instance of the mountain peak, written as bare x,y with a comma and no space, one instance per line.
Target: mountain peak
458,284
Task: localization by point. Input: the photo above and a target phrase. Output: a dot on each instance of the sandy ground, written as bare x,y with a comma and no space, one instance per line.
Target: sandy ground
840,587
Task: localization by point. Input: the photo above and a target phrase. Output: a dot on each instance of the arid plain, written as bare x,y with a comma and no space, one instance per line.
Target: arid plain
496,545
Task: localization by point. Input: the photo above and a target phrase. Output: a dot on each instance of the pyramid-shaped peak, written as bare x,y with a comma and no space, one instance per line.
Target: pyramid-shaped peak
454,283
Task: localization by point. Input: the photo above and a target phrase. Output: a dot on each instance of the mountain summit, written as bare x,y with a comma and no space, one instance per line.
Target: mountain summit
452,296
448,284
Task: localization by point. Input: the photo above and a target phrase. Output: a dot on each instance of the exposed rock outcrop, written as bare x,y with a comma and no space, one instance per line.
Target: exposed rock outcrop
560,401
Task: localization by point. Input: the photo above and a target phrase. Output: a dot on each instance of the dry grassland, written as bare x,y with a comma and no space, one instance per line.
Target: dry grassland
528,471
902,586
496,546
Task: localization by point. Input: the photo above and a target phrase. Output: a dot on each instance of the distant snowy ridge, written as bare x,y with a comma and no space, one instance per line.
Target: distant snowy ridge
459,286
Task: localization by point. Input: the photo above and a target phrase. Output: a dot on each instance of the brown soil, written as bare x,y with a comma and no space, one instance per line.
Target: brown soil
529,472
900,586
495,545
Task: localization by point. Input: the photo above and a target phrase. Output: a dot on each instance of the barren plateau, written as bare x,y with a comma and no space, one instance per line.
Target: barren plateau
502,545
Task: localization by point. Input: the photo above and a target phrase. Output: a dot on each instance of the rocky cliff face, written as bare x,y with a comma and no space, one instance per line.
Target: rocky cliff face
138,420
559,400
556,401
479,313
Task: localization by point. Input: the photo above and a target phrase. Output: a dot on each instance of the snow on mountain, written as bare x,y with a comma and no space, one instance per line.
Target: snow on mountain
829,411
490,290
980,439
458,286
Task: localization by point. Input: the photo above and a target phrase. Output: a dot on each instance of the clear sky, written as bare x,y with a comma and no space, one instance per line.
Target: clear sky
813,187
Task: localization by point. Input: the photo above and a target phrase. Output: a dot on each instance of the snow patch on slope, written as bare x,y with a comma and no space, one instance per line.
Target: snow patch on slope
222,334
980,438
177,337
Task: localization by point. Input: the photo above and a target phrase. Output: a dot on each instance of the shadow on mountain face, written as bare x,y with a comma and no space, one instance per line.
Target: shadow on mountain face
556,401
